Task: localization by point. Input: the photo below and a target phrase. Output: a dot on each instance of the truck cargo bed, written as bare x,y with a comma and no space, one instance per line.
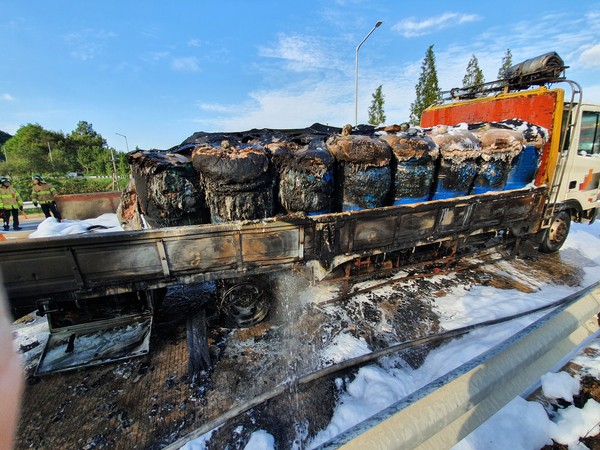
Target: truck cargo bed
91,266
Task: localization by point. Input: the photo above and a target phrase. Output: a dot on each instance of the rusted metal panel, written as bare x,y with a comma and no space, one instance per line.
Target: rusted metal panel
123,262
87,206
373,233
419,224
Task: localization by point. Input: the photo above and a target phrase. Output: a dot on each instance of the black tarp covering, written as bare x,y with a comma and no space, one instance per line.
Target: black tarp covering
536,70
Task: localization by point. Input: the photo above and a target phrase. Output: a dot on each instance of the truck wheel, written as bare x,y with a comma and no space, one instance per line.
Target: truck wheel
244,304
555,236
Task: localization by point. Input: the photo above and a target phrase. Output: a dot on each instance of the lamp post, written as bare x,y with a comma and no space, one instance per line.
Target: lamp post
115,178
356,75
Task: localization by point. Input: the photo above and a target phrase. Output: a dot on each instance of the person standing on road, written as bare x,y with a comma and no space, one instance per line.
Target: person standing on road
43,193
10,203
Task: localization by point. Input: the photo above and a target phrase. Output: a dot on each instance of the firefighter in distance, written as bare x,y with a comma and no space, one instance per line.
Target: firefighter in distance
10,204
43,193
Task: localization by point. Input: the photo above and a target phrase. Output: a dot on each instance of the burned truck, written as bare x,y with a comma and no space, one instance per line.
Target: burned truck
500,162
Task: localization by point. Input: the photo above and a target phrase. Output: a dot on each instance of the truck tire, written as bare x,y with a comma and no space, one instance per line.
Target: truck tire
555,236
244,303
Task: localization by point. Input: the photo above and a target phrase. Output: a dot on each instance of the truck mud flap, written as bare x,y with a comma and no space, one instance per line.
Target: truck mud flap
95,343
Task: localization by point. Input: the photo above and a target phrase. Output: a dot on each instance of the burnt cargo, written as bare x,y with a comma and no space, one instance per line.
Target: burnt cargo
457,167
222,177
167,189
237,181
414,156
499,148
526,164
363,173
305,178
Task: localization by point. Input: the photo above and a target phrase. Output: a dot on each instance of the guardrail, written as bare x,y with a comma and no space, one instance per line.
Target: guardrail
445,411
28,206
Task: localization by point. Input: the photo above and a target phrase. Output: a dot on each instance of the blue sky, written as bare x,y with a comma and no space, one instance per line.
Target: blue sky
157,72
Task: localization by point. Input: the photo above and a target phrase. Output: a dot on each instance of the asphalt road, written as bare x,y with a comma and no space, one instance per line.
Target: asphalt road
28,226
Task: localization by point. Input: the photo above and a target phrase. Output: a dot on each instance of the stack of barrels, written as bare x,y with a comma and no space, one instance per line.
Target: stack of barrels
220,177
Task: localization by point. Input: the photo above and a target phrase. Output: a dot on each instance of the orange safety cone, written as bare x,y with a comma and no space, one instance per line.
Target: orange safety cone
2,238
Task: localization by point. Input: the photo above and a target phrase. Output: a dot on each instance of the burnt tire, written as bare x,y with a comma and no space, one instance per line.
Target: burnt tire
244,303
555,236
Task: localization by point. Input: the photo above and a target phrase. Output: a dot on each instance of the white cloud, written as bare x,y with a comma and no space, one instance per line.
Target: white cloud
218,108
590,57
87,44
155,56
591,94
187,64
7,97
329,101
195,43
413,27
301,53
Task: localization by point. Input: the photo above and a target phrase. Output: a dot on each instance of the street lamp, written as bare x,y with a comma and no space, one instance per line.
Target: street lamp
115,179
126,144
356,76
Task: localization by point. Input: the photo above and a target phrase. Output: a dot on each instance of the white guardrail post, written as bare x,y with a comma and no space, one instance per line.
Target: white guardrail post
444,412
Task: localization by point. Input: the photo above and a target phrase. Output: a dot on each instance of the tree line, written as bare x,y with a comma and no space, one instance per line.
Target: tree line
427,90
35,150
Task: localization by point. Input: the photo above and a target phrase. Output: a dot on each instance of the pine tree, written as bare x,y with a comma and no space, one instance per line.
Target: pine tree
506,64
474,74
427,88
376,113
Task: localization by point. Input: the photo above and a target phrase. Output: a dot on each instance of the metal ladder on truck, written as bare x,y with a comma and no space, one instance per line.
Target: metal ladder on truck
566,135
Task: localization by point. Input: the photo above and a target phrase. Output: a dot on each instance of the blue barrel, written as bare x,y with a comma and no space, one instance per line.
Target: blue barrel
458,162
363,175
414,157
524,168
499,147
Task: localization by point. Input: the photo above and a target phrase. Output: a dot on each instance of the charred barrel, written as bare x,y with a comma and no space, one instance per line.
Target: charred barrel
363,174
499,147
414,157
306,180
459,150
168,189
237,181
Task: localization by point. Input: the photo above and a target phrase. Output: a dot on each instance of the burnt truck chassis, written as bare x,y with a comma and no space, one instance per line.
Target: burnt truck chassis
41,272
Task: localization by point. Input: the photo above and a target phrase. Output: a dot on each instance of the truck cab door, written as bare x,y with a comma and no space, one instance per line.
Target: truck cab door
581,181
